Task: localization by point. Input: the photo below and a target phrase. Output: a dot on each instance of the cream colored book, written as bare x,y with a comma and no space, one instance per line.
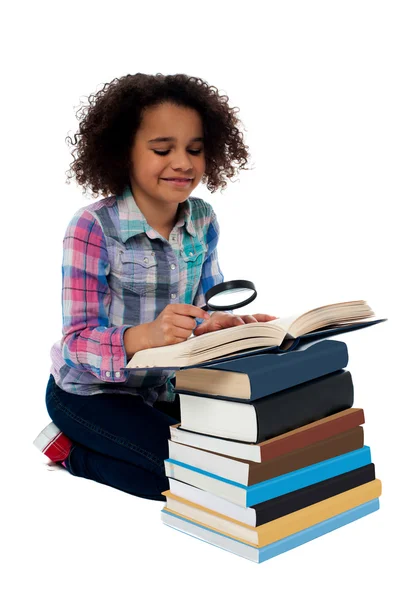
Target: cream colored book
327,320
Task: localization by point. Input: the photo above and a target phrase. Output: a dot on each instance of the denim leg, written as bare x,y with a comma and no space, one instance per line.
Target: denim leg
119,440
119,474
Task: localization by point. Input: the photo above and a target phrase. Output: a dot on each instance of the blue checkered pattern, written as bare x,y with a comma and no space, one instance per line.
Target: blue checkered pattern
118,272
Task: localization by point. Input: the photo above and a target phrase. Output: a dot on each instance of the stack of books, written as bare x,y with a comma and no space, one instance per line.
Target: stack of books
270,452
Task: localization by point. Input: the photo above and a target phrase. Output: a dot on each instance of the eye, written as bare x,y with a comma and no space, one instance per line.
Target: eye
164,153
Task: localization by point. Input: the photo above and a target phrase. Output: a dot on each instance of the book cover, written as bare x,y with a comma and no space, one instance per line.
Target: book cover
262,374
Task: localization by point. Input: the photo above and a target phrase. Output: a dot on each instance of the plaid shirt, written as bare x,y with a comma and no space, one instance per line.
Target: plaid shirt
118,272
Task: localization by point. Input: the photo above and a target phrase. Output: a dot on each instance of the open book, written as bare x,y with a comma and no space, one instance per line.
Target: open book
279,332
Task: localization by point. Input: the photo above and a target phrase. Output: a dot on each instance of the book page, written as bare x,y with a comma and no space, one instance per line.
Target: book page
209,346
330,314
286,322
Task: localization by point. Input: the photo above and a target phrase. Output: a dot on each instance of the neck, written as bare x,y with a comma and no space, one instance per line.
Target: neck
160,216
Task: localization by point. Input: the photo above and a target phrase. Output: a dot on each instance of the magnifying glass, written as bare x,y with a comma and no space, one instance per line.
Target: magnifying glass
230,295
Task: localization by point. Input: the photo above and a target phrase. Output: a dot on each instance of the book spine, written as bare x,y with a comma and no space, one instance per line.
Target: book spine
310,435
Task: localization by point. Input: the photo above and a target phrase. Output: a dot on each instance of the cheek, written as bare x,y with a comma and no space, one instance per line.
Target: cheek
146,165
200,166
147,171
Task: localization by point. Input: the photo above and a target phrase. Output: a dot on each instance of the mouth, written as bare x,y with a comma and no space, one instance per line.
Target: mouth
179,181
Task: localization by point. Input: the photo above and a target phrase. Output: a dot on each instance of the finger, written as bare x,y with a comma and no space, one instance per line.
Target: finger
184,322
264,318
218,323
190,310
238,320
248,318
227,321
198,331
205,326
177,334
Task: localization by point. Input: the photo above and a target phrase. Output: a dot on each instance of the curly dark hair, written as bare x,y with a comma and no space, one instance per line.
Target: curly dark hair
109,122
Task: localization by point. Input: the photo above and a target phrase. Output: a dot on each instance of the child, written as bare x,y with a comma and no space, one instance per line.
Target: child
136,266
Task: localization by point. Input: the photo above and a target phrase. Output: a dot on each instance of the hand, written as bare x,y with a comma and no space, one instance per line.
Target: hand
222,320
174,324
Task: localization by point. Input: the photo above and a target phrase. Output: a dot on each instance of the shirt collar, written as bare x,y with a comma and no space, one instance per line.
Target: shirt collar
133,221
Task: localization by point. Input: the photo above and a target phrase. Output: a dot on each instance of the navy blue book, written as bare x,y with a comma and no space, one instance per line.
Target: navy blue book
251,377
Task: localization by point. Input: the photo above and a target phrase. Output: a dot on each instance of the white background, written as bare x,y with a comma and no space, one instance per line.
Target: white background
313,221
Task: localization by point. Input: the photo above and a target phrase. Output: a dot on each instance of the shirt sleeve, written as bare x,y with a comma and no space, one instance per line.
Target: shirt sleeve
89,343
211,272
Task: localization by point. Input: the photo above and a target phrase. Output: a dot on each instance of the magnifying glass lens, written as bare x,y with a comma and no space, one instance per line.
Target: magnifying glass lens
234,297
230,295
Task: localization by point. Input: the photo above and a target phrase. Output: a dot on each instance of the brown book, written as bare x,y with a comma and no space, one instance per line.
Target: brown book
276,446
249,473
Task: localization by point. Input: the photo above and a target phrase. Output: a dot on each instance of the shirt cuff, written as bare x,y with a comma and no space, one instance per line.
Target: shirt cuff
113,359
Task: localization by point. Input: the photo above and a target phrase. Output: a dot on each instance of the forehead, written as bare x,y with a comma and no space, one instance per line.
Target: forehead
170,120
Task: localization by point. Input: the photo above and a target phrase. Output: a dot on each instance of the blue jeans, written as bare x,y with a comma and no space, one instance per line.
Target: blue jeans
118,439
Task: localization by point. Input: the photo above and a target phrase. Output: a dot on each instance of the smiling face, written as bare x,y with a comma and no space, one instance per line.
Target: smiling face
156,160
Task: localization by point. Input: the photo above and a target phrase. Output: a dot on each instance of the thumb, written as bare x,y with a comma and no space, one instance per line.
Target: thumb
200,329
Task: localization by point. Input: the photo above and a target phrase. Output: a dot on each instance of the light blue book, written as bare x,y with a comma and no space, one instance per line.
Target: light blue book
271,488
265,552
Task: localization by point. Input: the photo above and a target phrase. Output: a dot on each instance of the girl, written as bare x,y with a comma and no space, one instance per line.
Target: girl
136,266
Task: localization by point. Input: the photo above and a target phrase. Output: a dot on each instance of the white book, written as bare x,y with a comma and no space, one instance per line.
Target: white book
197,496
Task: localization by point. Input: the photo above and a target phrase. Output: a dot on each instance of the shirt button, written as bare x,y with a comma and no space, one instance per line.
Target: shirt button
117,374
108,374
146,260
191,254
173,295
173,266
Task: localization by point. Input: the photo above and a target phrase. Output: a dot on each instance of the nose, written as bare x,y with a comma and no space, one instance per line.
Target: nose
181,161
